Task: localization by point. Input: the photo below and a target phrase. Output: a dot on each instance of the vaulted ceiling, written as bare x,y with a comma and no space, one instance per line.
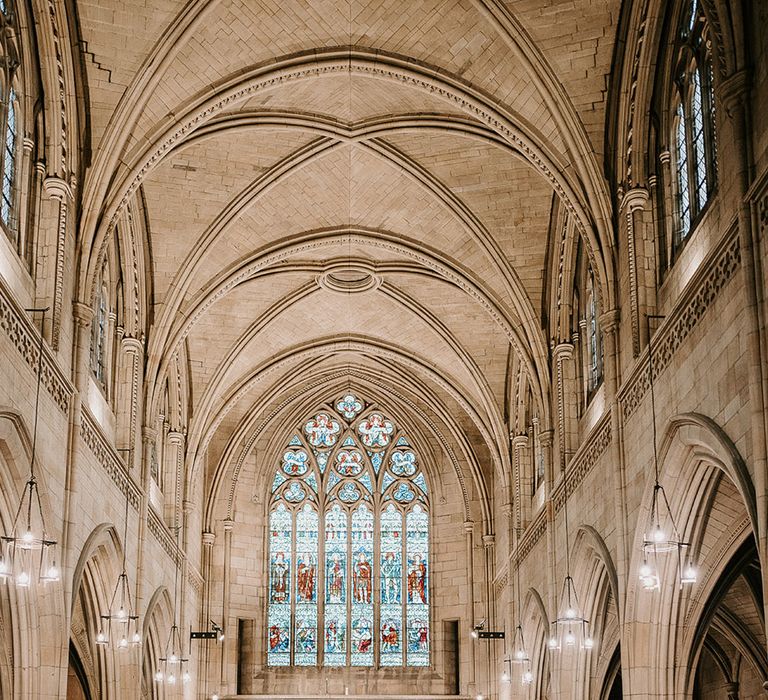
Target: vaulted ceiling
333,184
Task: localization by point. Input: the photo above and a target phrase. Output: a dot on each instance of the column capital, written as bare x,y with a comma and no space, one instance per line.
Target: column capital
519,441
229,524
546,437
733,89
131,345
187,505
469,526
609,320
82,313
57,188
208,538
176,437
634,199
665,157
149,433
489,541
563,349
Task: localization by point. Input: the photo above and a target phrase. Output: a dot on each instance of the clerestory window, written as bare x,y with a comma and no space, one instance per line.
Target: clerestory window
348,544
693,125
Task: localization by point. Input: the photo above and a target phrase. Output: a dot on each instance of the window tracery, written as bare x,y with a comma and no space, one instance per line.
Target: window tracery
9,120
348,544
693,124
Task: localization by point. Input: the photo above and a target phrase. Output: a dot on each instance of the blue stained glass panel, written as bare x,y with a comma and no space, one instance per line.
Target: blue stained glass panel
278,481
295,462
322,461
349,462
403,463
349,493
295,441
306,587
362,587
335,633
402,441
348,442
365,480
420,482
349,406
279,616
391,586
404,493
417,586
312,481
376,460
375,431
386,481
322,431
333,479
294,493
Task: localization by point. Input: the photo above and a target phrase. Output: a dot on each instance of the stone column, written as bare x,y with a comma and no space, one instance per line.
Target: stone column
228,680
208,540
469,528
133,349
60,192
172,481
734,95
523,485
566,429
489,545
632,206
733,691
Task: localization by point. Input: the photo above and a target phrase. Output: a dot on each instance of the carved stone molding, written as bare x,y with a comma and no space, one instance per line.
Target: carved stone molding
163,535
714,274
25,337
108,458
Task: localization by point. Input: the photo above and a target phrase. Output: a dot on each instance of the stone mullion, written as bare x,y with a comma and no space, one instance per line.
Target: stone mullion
22,197
668,195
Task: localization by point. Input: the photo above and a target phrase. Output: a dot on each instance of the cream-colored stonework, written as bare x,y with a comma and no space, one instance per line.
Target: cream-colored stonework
211,173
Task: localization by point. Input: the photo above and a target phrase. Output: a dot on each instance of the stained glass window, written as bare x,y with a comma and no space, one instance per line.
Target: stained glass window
693,130
348,543
9,161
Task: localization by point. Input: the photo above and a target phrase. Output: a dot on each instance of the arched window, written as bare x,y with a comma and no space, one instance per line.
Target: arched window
99,328
348,544
9,120
693,124
594,345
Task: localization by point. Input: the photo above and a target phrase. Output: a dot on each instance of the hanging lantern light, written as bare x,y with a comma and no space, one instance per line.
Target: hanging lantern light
28,552
120,624
172,670
662,535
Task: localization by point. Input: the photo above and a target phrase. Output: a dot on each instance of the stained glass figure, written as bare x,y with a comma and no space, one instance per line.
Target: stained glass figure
403,463
335,652
417,582
358,535
362,587
279,616
322,431
306,587
349,407
295,462
391,578
375,431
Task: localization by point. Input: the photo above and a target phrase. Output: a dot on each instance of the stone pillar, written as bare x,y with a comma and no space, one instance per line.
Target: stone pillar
489,545
566,411
734,95
732,689
228,679
632,209
133,351
83,315
523,484
208,540
60,192
469,528
172,479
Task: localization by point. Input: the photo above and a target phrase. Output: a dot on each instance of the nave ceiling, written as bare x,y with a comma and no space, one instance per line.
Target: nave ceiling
283,154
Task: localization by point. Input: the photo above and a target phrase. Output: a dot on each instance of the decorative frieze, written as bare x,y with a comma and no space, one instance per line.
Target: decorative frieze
25,337
163,535
715,272
108,458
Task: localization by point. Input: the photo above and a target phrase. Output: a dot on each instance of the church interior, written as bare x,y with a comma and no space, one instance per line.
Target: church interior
383,348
